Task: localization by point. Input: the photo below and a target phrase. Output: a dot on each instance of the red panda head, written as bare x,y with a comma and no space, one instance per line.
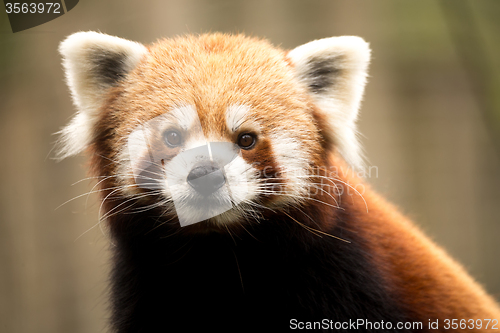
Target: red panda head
215,127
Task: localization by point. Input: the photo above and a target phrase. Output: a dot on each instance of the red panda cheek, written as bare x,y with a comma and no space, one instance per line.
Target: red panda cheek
263,159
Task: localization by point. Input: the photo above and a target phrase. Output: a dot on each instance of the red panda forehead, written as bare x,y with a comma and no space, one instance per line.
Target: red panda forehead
217,49
217,75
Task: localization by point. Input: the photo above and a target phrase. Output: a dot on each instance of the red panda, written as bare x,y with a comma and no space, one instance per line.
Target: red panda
226,172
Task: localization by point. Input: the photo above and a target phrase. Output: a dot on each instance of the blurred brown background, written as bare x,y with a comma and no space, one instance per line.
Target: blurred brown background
430,124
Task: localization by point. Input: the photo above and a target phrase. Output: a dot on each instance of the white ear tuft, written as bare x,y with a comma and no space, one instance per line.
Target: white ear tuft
334,71
93,62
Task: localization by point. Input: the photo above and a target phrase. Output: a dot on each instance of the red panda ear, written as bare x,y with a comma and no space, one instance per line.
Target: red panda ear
93,63
334,71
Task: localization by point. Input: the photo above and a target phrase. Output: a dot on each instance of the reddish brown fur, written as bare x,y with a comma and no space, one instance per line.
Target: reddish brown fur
213,72
430,283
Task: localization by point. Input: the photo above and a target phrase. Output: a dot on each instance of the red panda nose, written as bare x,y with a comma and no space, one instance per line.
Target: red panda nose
206,179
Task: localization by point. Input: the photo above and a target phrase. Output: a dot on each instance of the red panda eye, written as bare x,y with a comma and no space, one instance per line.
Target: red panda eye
247,141
172,138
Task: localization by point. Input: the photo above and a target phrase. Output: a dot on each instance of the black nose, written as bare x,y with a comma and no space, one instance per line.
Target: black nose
206,179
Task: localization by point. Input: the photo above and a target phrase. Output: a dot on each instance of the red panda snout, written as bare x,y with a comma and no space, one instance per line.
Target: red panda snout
206,178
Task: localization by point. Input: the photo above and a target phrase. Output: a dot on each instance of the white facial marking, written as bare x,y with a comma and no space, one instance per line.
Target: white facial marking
236,116
292,159
184,116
